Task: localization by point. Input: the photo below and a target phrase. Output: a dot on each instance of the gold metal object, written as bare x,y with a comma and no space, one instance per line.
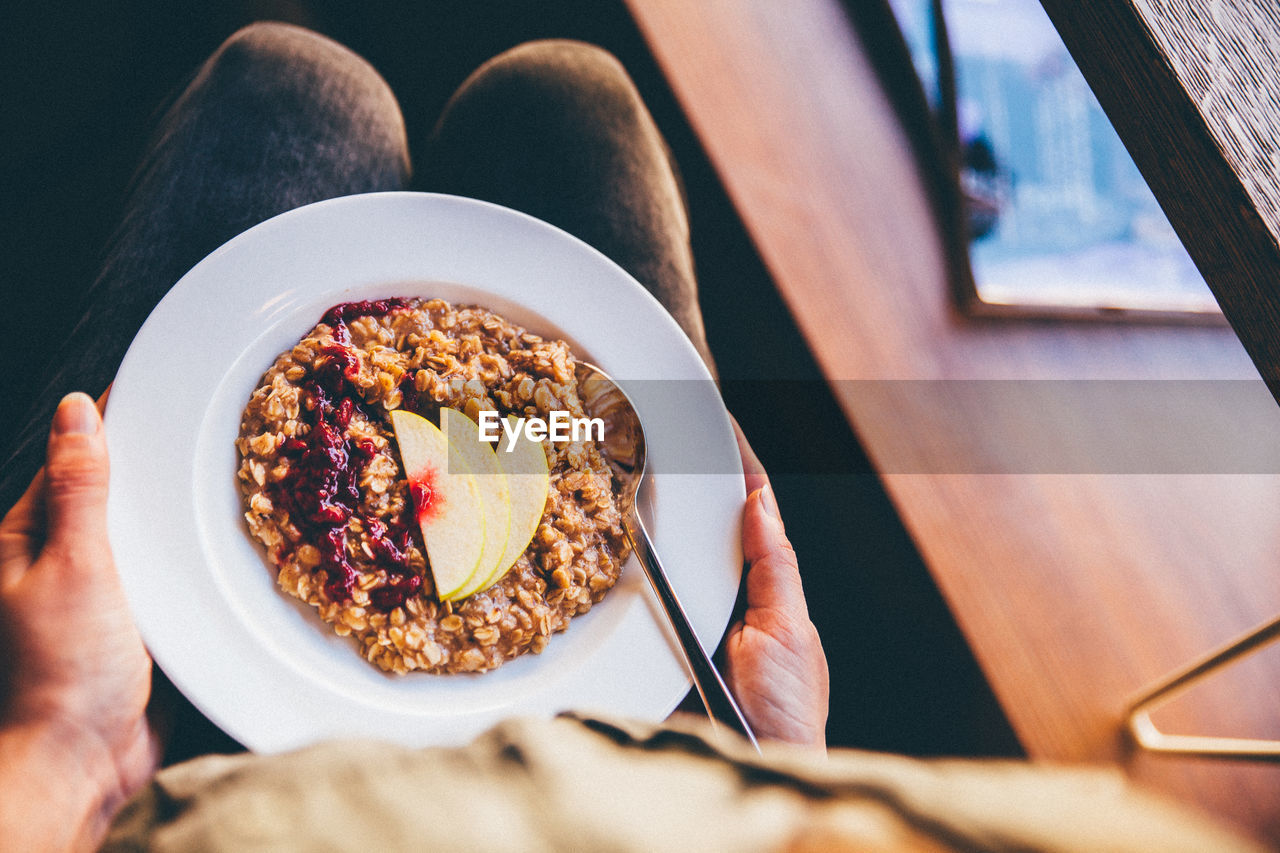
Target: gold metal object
1147,736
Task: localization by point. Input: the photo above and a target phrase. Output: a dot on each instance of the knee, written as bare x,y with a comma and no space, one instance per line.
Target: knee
283,70
271,46
285,63
552,59
579,79
266,48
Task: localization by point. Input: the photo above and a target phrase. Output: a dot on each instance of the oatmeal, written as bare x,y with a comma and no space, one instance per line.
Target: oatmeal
325,492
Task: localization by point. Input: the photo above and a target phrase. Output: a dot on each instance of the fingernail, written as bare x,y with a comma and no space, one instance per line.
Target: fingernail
770,503
76,415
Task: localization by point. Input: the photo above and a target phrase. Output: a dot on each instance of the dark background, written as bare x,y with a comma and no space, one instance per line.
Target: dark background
84,84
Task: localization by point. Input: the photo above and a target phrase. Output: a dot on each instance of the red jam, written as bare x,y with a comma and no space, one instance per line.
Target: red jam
397,589
426,500
340,315
411,399
321,491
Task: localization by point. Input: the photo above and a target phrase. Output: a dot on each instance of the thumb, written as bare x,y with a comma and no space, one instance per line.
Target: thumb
76,475
773,576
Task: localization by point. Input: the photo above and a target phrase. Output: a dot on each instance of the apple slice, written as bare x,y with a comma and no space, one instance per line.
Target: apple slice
445,498
528,481
464,435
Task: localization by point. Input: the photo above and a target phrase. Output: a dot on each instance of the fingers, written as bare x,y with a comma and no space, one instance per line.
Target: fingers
773,579
752,470
773,576
22,532
76,477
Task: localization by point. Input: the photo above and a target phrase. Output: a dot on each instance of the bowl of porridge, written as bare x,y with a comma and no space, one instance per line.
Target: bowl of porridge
327,495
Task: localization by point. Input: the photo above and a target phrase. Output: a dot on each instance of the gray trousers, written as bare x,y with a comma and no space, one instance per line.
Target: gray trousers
280,117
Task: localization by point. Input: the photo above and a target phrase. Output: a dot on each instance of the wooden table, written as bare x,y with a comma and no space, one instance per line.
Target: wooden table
1075,590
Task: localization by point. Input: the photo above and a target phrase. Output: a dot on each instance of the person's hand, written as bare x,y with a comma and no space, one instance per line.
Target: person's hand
775,664
74,742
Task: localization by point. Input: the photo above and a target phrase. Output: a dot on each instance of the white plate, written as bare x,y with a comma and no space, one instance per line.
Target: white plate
261,665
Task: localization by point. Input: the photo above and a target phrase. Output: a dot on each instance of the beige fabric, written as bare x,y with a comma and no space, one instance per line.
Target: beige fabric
576,784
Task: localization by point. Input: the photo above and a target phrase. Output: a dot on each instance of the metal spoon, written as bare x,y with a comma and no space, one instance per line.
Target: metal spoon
624,447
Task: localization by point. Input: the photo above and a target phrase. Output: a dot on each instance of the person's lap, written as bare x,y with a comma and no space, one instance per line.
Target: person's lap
280,117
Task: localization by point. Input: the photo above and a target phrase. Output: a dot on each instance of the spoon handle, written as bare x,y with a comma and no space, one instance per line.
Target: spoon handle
716,697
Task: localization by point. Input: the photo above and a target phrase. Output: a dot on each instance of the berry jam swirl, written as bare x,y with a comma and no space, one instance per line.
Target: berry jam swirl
321,491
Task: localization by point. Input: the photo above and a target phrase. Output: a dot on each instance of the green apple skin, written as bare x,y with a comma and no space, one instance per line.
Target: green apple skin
454,529
464,435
